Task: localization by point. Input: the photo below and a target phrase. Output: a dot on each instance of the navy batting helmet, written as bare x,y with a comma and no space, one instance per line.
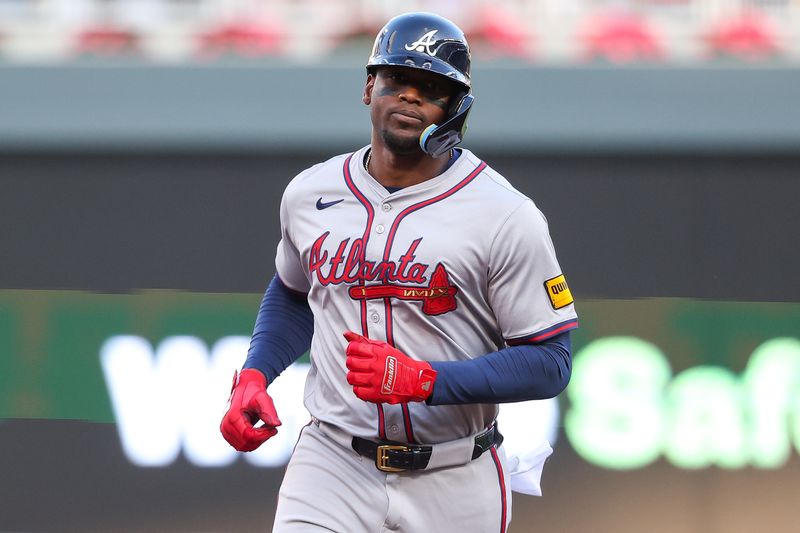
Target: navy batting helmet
429,42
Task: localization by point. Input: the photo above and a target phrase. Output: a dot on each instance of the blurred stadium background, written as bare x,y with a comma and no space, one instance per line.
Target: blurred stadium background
144,145
548,31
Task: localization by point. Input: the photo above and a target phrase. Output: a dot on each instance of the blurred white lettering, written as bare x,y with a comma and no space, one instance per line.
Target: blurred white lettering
171,399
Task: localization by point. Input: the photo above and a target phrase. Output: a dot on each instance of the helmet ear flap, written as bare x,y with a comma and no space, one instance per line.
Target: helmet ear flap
456,103
438,139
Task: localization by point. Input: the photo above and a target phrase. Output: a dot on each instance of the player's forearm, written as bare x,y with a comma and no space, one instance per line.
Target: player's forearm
517,373
283,330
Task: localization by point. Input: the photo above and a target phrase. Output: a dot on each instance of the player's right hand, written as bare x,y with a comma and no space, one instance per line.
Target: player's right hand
249,403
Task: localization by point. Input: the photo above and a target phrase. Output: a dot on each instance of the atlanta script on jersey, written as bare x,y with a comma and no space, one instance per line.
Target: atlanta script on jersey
449,269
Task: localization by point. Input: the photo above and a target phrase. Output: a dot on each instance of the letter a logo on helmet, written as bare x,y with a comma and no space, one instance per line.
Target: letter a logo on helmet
424,43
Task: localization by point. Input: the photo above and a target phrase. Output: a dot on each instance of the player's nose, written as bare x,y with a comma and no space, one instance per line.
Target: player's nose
411,94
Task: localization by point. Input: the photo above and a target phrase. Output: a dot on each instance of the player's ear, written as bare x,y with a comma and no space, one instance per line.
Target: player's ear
367,98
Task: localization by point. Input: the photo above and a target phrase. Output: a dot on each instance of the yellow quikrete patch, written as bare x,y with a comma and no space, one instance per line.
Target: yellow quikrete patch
558,291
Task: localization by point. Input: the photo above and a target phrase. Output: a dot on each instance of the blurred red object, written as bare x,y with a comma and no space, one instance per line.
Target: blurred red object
621,38
242,38
750,36
106,41
503,34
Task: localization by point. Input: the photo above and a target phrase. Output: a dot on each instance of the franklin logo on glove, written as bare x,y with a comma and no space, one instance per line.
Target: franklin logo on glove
388,376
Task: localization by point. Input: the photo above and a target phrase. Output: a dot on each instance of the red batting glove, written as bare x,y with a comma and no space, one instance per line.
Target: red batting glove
380,373
249,403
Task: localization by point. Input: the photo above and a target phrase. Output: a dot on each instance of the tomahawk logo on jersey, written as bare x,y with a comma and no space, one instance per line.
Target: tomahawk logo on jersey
403,279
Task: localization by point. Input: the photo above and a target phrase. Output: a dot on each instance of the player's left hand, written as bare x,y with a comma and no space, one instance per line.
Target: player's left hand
380,373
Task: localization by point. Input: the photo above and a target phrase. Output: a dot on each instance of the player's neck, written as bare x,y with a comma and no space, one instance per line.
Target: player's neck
394,170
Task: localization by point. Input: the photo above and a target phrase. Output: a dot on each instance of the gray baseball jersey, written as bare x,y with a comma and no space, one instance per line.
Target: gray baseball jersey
445,270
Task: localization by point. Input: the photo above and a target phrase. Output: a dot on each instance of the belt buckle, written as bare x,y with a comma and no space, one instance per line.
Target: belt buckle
383,456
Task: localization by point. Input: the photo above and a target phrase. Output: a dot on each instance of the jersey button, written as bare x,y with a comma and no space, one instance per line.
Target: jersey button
375,317
394,429
379,228
386,207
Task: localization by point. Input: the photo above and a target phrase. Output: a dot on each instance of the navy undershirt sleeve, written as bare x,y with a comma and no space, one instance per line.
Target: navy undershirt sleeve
514,374
283,330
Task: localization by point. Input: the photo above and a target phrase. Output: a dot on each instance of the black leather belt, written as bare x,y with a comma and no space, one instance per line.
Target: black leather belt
398,457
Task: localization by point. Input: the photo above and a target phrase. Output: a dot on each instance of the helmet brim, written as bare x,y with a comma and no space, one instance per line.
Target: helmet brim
429,64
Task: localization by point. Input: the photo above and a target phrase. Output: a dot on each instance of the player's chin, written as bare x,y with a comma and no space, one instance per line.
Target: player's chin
401,141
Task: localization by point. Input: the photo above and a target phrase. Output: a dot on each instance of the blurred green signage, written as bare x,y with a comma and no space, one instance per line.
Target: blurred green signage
696,383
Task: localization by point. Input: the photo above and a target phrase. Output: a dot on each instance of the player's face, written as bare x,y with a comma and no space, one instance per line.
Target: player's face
404,102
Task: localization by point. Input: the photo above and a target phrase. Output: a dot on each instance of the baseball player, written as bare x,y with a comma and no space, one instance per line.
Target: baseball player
428,291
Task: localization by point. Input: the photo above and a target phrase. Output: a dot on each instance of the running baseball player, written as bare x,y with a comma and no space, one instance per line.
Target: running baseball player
428,291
